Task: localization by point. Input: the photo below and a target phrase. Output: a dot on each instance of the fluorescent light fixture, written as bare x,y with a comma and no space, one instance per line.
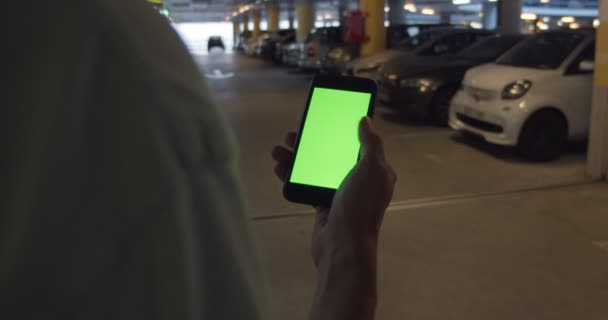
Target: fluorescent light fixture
567,19
428,11
409,7
545,1
458,2
528,16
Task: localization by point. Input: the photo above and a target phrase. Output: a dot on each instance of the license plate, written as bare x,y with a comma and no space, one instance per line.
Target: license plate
473,113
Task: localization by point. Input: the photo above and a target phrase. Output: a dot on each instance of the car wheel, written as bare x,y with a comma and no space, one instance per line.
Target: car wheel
543,136
440,105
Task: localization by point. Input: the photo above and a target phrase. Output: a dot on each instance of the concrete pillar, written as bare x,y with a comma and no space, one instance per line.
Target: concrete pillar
256,17
396,15
509,16
272,10
306,19
245,21
374,26
490,12
597,159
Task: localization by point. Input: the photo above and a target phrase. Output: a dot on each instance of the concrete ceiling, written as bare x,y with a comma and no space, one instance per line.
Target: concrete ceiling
219,10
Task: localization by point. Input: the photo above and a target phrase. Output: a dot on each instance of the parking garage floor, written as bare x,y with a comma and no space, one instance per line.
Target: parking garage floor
473,231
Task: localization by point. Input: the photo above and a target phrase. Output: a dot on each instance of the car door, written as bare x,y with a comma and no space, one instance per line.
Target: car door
580,89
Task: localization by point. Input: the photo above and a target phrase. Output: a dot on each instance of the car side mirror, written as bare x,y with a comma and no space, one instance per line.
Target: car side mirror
586,66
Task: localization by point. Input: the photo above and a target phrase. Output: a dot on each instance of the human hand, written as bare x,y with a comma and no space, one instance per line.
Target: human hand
345,236
351,226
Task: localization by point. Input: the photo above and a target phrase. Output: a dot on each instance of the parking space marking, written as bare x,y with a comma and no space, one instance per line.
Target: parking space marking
432,201
424,134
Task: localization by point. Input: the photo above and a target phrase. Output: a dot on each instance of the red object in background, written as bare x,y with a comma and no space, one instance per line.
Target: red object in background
311,51
355,27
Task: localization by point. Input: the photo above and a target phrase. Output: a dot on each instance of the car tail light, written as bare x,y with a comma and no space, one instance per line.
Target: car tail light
311,51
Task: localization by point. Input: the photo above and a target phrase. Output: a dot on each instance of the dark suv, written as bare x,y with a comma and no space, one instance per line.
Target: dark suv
215,42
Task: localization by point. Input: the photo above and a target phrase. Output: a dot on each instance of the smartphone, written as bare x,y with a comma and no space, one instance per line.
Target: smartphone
327,147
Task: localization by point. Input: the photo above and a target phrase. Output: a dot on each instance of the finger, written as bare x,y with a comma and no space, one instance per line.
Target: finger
321,217
281,154
290,139
371,143
280,170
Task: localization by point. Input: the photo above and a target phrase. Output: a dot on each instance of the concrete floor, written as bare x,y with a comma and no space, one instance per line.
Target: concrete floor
473,232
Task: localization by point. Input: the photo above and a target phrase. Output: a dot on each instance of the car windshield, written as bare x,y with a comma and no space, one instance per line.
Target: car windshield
489,49
543,51
417,40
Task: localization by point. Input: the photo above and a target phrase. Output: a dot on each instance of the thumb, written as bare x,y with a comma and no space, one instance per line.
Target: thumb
371,143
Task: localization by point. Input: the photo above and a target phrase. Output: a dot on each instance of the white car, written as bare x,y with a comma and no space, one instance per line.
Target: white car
537,96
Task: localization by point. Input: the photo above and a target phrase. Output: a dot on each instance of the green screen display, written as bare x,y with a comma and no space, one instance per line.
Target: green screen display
329,142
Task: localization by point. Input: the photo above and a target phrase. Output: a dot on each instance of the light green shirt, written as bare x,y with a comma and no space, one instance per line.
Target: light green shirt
120,197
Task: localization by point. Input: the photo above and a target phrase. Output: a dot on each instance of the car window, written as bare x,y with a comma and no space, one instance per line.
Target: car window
418,40
546,50
448,44
588,54
489,49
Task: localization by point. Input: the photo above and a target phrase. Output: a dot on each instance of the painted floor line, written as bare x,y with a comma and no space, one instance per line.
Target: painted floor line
436,201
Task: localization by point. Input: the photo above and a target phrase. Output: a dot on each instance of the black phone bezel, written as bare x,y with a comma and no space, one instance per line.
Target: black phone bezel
319,196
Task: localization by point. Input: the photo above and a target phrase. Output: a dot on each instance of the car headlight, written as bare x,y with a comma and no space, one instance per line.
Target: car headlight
422,85
516,89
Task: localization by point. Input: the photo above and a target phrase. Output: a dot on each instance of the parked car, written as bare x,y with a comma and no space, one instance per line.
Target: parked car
281,45
251,44
215,42
425,85
436,42
267,44
398,33
536,97
336,58
242,40
292,53
317,44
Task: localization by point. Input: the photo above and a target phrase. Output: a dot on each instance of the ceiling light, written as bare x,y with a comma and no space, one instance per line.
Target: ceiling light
574,25
457,2
596,23
545,1
567,19
387,9
428,11
409,7
528,16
